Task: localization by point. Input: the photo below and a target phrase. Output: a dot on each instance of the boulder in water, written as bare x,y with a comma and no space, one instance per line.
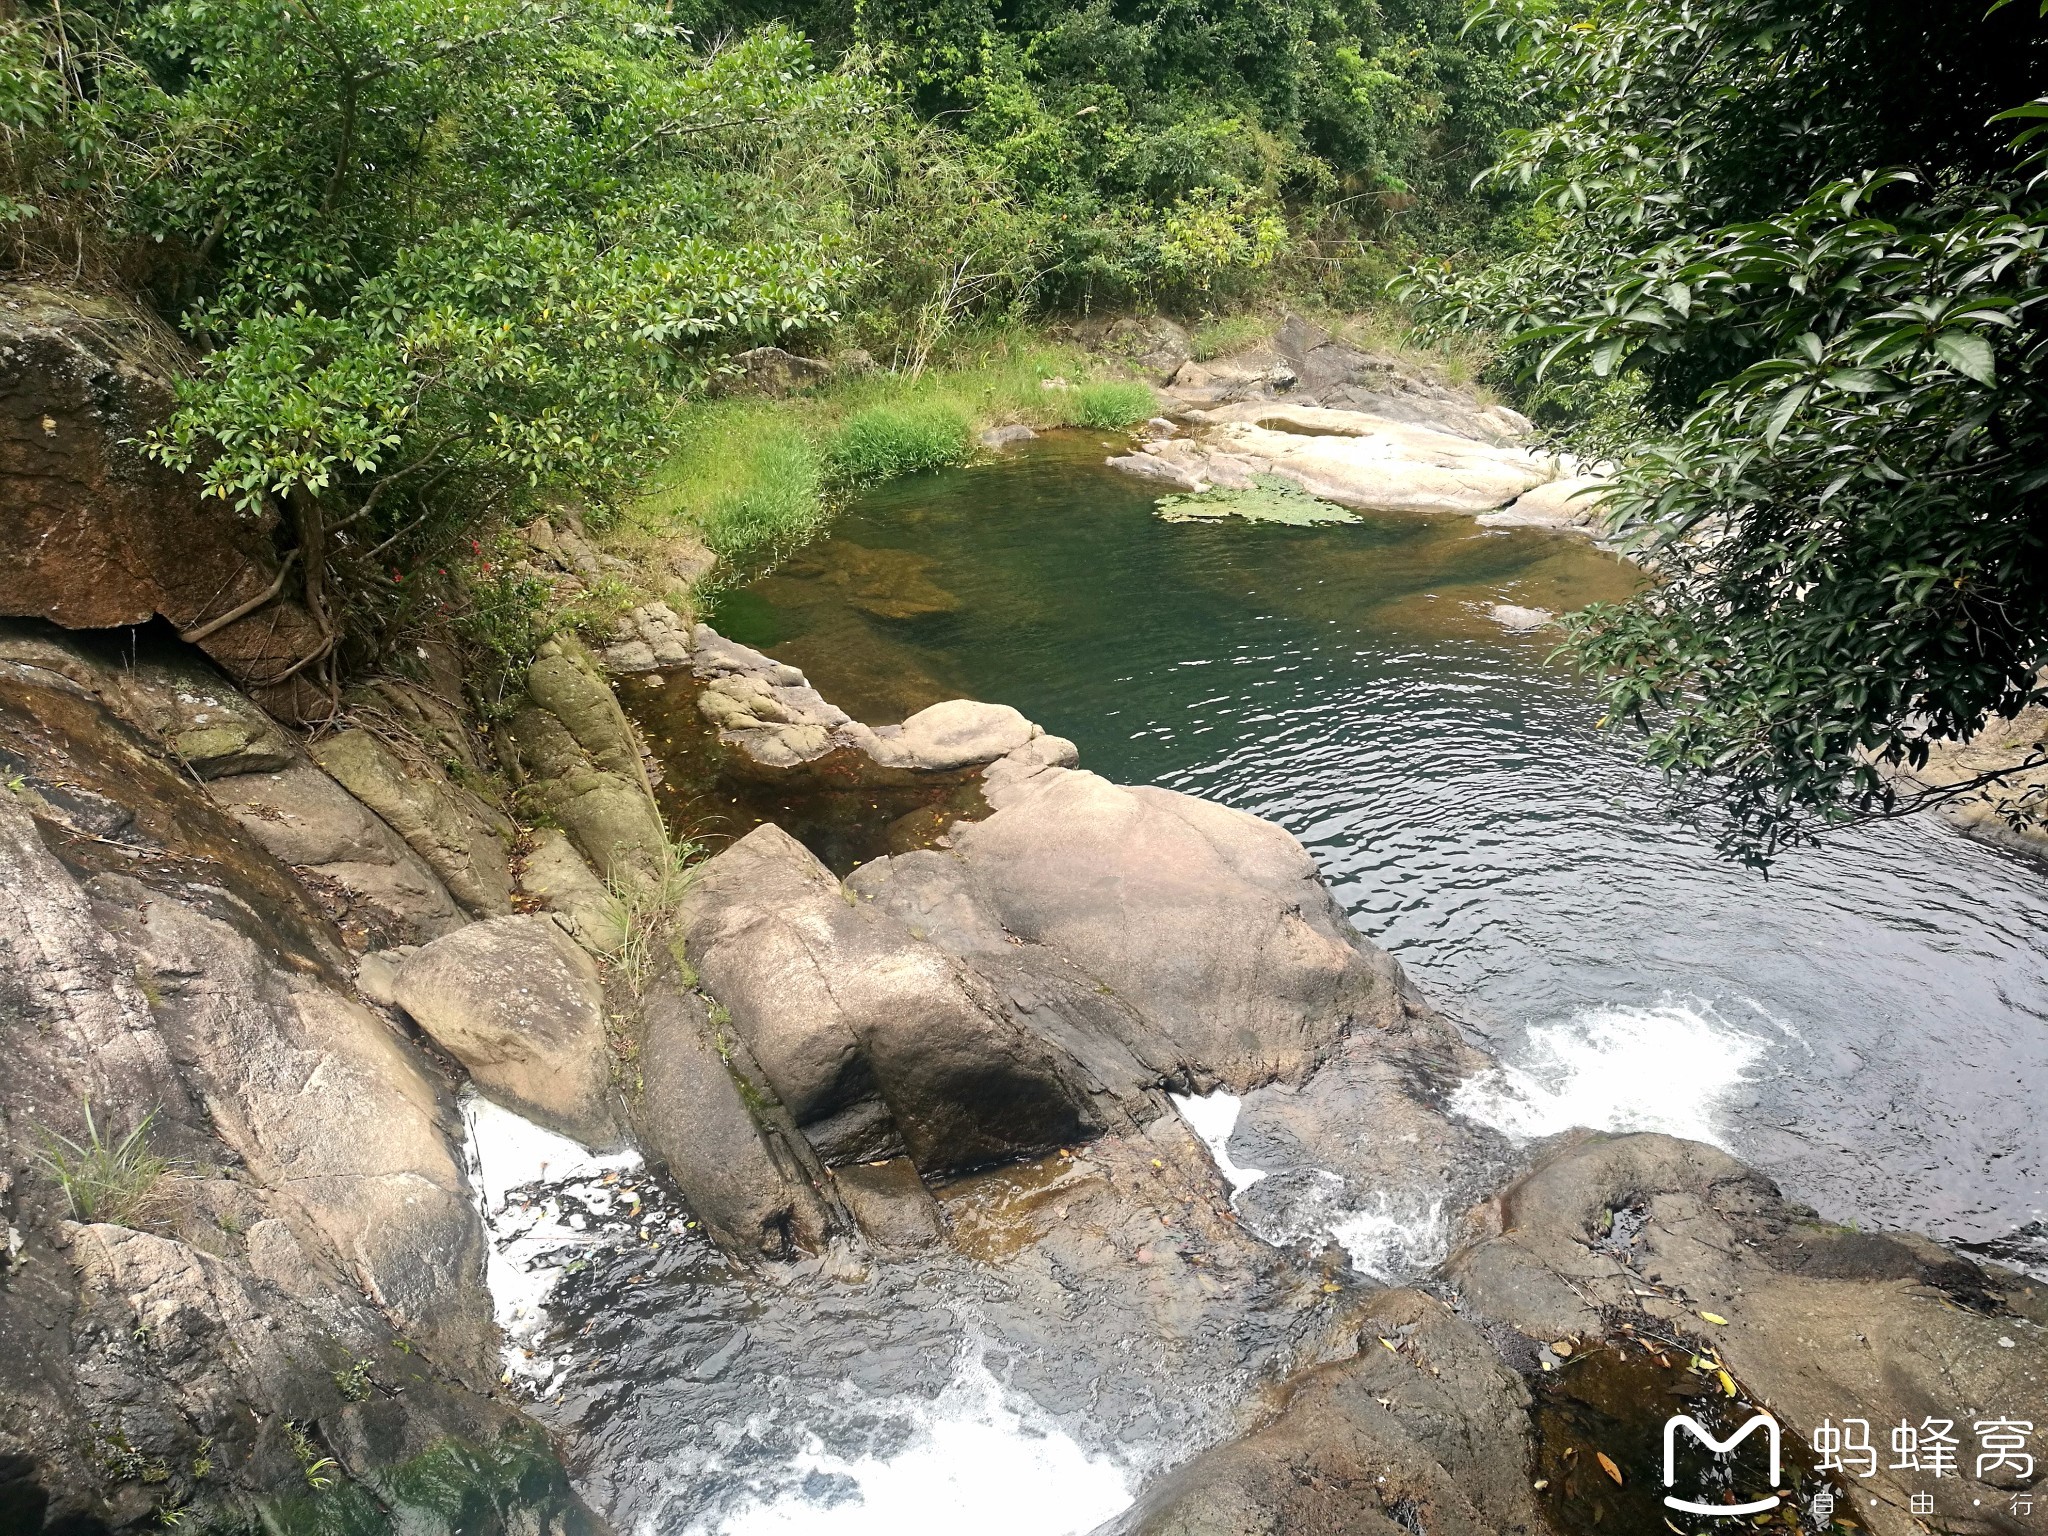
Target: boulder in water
877,1041
519,1004
743,1170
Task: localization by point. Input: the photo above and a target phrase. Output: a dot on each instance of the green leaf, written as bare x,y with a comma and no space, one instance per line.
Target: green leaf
1781,413
1967,353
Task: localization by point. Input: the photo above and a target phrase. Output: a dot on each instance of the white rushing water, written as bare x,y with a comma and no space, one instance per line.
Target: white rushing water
1674,1067
1388,1238
979,1459
537,1193
1213,1117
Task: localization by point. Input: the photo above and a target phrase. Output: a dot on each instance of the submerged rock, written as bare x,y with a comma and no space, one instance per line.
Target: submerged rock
1424,1427
1520,621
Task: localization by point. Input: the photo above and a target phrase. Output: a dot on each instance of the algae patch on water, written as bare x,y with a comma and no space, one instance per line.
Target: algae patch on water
1267,499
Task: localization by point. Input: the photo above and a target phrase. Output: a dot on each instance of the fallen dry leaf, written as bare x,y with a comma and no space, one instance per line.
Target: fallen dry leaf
1607,1465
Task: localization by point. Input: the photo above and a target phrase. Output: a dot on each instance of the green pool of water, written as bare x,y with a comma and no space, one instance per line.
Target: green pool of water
1860,1024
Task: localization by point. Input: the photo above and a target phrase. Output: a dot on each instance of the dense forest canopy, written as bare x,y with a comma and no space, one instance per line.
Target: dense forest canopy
440,259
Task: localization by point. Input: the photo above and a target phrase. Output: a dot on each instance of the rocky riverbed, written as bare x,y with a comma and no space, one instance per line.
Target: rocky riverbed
396,1136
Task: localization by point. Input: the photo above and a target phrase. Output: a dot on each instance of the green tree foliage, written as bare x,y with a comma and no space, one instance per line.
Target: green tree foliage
1165,151
441,257
1791,232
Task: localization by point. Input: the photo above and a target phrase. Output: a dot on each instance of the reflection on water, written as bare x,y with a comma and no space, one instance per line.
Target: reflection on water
1862,1024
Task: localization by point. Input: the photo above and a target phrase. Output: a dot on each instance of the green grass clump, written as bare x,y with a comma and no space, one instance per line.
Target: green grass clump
884,442
745,475
111,1180
1112,404
1231,333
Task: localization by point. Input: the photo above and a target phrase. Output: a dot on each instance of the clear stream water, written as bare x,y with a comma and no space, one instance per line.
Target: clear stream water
1870,1024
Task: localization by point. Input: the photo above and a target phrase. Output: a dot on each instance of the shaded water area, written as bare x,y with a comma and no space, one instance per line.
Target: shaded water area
1869,1025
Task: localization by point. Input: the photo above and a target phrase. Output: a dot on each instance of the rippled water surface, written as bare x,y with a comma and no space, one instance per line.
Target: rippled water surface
1870,1024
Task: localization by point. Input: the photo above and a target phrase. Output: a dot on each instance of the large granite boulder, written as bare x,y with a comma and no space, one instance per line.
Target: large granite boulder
2009,810
212,1385
878,1042
518,1002
1568,504
1303,364
1348,457
100,536
324,1103
1040,980
1209,924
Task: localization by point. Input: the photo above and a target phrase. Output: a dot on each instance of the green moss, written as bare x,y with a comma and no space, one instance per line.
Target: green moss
1269,500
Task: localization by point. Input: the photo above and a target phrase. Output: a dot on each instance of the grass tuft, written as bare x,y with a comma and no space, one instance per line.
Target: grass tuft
644,907
1227,334
1113,404
106,1180
885,442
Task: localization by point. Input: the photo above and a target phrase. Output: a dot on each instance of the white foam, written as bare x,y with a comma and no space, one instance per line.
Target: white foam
1389,1239
1670,1068
530,1241
1390,1243
979,1459
1213,1116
